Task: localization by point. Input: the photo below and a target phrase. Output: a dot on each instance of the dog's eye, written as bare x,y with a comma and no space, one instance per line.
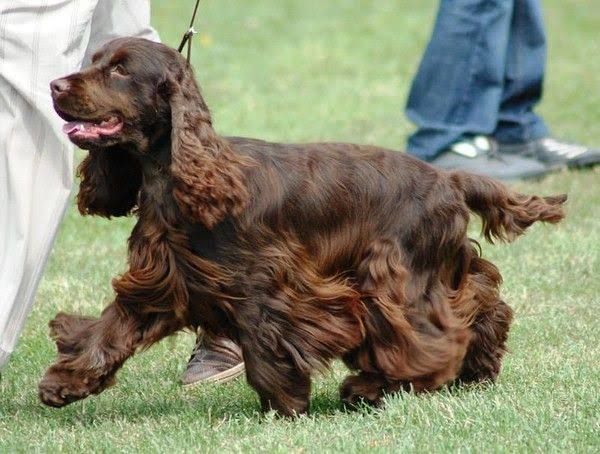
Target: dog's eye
118,70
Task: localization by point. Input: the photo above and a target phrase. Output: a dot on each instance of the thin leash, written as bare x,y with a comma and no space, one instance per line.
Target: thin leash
187,36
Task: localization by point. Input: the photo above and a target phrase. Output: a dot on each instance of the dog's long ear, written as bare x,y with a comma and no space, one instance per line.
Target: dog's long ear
208,176
110,181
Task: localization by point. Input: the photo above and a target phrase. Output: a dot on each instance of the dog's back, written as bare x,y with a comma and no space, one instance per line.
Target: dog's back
341,196
332,193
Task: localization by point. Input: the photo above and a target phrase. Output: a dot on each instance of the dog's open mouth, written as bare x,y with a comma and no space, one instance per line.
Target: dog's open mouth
87,129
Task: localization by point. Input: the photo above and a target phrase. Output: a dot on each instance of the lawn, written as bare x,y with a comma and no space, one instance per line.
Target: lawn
299,70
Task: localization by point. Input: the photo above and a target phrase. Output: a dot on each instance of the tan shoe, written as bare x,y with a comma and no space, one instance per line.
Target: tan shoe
213,360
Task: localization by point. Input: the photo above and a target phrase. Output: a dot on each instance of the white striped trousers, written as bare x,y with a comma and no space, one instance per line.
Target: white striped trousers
41,40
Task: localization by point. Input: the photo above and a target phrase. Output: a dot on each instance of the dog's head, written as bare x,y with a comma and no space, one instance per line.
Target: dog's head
123,97
139,99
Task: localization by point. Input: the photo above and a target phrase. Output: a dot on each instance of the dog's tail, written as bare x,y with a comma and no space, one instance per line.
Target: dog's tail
506,214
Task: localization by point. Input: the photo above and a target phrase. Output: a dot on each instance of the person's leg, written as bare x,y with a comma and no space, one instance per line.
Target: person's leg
214,359
36,159
458,87
119,18
38,171
520,131
524,76
457,92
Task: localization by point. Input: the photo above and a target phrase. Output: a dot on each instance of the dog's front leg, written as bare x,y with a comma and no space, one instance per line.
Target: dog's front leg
280,385
271,358
90,351
151,303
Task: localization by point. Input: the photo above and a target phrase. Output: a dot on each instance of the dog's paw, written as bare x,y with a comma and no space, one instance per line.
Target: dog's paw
355,392
60,387
58,395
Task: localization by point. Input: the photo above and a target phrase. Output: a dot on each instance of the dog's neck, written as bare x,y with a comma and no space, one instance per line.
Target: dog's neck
156,159
197,176
157,186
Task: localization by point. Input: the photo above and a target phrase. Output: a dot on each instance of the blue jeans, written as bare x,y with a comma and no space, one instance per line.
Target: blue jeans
482,73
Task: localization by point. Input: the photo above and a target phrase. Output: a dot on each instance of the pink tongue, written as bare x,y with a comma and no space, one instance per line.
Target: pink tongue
72,126
86,128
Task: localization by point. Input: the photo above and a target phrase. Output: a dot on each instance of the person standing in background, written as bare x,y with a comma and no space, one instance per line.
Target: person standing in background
474,93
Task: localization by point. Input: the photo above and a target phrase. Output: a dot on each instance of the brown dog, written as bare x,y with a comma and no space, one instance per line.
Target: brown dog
301,253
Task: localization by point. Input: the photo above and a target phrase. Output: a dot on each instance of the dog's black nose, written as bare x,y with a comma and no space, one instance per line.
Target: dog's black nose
59,86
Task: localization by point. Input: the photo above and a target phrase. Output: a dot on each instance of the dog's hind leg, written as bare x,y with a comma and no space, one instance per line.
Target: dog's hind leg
413,338
488,345
422,356
491,318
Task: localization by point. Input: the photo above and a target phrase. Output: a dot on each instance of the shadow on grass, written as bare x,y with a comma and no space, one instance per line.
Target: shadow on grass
207,407
154,397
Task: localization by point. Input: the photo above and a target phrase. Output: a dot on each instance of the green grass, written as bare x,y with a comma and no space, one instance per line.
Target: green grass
296,70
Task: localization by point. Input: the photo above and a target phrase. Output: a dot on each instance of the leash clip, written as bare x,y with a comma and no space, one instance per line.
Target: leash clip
187,36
